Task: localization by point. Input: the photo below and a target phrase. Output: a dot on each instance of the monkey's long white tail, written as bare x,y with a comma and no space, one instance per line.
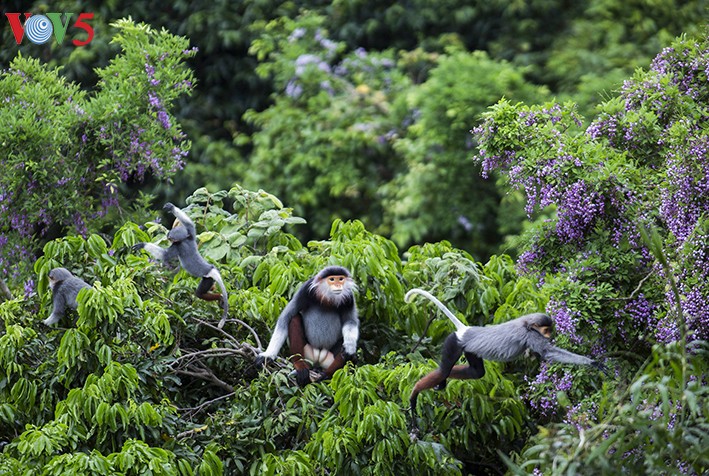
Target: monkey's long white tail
214,274
458,325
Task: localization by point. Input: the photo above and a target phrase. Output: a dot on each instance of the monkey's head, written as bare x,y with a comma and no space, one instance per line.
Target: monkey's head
541,323
57,275
177,233
333,286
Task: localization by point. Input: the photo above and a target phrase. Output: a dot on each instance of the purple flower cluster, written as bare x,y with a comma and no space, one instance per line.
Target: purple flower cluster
644,160
565,320
581,417
640,313
687,68
685,197
540,397
319,69
579,207
548,174
150,71
693,283
157,106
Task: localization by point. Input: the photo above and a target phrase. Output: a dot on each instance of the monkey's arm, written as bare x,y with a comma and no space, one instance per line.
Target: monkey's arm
178,234
350,332
58,308
184,219
280,332
547,351
160,254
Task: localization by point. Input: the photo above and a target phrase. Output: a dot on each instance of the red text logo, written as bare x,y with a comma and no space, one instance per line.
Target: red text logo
39,28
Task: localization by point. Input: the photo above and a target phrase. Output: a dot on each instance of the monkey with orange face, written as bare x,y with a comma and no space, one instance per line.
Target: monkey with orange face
321,325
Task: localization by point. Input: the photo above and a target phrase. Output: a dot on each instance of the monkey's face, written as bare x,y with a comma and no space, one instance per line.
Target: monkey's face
543,330
336,283
333,289
54,279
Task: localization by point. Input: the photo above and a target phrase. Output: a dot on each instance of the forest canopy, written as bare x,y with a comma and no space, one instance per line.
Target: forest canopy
470,150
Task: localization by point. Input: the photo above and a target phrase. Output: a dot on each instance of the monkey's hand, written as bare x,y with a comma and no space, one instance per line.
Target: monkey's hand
598,365
261,360
137,247
350,357
302,377
349,352
168,207
51,320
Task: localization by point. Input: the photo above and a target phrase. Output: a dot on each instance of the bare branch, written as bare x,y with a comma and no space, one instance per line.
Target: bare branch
636,290
197,409
229,336
191,432
206,374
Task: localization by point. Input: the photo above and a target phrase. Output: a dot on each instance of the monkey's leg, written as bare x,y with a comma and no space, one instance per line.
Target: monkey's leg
203,288
296,341
475,368
336,364
449,356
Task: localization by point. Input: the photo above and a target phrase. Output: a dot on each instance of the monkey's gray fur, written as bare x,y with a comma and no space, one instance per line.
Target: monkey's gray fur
500,342
506,341
184,247
321,318
65,287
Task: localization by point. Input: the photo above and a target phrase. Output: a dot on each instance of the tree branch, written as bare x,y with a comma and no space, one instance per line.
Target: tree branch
206,374
635,291
229,336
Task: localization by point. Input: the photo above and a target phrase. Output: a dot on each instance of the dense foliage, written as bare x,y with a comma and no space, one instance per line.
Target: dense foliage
141,374
370,146
625,254
581,51
67,153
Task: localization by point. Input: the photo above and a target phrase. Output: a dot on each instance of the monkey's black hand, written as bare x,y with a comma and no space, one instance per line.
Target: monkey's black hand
441,386
260,361
137,246
302,377
168,207
598,365
350,357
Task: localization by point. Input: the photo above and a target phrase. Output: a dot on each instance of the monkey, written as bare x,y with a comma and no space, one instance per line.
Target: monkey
499,342
183,238
321,324
65,287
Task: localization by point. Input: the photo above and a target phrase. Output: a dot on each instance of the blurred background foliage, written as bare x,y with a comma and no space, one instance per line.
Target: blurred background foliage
379,130
301,134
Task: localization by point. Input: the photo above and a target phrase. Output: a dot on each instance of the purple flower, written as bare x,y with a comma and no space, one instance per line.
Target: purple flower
164,119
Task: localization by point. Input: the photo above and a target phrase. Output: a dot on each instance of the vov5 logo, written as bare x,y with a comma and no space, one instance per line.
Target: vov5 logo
39,28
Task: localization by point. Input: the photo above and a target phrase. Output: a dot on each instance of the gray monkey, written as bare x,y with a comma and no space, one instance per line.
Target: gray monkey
183,238
321,325
500,342
65,287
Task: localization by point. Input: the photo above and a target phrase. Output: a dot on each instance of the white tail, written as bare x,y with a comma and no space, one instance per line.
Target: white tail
458,325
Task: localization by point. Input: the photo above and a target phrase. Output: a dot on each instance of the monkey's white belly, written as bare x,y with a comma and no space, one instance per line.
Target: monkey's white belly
322,357
323,328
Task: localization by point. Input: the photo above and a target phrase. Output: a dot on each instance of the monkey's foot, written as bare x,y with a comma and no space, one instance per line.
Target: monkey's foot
317,375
